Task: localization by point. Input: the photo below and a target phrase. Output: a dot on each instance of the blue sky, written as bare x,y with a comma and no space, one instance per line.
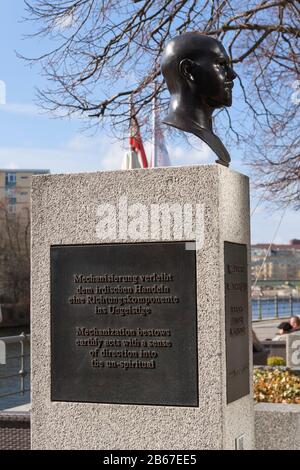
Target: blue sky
30,139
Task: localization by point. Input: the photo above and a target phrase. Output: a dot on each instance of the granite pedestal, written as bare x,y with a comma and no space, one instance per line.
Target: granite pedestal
168,366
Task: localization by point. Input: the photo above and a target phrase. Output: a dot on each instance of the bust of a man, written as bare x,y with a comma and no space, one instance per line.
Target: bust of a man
200,79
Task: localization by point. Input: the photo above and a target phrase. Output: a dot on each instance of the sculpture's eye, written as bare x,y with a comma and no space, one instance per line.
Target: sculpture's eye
223,63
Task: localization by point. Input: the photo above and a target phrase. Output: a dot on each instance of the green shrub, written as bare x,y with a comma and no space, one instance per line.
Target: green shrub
275,361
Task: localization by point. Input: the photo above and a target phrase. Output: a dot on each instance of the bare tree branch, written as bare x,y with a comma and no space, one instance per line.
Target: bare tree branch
106,52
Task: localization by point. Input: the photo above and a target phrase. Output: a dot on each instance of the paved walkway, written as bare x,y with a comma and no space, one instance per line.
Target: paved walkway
17,409
267,329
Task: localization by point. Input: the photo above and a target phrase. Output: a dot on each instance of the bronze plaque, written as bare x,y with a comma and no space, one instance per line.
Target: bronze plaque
123,324
236,320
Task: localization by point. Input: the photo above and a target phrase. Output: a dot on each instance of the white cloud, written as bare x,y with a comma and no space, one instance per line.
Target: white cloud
190,152
191,155
13,166
32,110
78,155
65,21
24,109
85,154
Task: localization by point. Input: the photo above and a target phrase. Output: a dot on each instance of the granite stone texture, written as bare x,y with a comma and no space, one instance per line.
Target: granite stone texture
65,211
277,426
293,349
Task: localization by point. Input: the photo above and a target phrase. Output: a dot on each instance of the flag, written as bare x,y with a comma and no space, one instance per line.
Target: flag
131,160
136,157
160,155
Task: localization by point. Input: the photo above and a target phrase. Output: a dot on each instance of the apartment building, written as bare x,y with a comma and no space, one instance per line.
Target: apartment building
280,262
15,189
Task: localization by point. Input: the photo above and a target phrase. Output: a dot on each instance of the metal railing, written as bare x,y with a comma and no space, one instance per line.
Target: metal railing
23,372
275,307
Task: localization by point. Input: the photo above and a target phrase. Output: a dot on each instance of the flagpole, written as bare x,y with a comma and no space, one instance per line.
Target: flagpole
160,155
154,103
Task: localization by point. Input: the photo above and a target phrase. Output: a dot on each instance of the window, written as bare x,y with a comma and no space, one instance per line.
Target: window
11,209
12,200
10,192
10,179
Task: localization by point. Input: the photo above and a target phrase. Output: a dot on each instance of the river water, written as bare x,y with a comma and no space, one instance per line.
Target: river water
12,367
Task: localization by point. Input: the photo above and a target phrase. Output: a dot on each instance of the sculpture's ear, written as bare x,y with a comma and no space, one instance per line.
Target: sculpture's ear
186,69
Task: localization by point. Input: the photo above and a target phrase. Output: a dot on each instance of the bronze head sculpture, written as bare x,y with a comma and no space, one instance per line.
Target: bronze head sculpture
200,79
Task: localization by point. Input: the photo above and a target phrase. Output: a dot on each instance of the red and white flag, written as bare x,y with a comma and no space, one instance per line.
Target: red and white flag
136,157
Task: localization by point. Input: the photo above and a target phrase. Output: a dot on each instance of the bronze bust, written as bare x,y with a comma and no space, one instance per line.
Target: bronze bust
200,79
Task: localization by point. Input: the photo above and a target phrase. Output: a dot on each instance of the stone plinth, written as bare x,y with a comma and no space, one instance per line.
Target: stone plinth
293,349
125,207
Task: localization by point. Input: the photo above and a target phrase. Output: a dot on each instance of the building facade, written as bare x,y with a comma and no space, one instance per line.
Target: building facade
15,190
280,262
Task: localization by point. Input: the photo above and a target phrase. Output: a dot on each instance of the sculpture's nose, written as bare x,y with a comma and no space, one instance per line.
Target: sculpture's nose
231,73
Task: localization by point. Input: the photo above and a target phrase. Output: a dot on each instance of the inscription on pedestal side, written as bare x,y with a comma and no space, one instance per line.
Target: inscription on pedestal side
236,321
123,324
